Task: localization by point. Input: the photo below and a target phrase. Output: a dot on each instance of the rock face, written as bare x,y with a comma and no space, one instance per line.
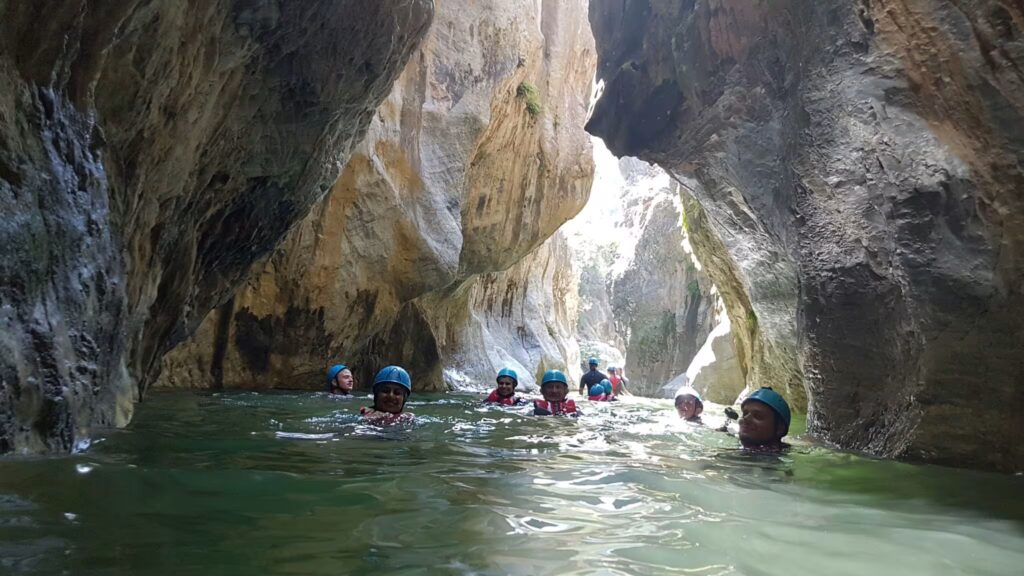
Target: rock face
523,318
640,290
470,165
662,300
859,169
715,371
150,152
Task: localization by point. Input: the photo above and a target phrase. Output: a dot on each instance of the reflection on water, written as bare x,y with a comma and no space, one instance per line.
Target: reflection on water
294,484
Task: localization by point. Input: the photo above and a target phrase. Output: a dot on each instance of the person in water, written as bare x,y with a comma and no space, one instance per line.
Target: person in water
609,393
554,387
689,404
391,389
591,378
340,380
765,420
599,392
505,393
618,380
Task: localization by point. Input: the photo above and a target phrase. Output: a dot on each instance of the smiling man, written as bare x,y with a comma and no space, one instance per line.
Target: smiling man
765,420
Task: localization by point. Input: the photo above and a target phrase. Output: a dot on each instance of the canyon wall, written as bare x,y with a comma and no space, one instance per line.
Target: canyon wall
661,300
857,166
473,161
150,152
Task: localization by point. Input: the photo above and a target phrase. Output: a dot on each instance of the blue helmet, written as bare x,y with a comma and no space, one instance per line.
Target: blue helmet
593,361
774,400
508,372
607,387
601,387
394,375
334,371
554,376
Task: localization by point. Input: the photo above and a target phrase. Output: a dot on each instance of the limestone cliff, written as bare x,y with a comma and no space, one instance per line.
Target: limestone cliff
858,167
150,151
473,161
644,303
663,302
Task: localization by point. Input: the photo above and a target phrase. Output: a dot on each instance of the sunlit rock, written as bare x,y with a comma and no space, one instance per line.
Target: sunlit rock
473,161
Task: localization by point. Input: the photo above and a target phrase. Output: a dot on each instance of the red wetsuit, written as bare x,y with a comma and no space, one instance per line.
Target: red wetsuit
596,398
614,379
545,408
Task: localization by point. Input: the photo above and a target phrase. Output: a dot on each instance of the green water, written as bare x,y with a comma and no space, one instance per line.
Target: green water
254,484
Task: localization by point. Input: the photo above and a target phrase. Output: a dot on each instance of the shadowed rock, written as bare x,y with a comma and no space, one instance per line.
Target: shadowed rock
858,168
150,152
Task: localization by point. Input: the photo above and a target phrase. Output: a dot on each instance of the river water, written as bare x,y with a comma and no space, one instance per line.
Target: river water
251,484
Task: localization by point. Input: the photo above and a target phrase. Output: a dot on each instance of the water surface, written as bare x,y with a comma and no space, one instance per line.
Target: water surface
245,483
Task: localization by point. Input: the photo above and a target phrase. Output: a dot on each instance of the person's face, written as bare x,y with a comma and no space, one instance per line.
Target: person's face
593,366
506,387
688,407
345,380
389,397
554,391
758,425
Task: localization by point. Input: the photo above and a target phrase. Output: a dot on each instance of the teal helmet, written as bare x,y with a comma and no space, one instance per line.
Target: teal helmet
601,387
554,376
394,375
607,387
509,373
774,400
333,372
593,361
612,369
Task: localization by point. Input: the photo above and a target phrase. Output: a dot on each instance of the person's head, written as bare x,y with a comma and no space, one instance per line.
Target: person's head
608,388
391,388
599,388
765,419
507,382
554,386
611,370
339,379
689,404
593,362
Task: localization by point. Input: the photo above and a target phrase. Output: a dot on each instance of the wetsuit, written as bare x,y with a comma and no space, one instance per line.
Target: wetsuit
590,378
545,408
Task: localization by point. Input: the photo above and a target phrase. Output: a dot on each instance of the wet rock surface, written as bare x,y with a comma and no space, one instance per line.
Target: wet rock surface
661,300
471,164
858,168
150,152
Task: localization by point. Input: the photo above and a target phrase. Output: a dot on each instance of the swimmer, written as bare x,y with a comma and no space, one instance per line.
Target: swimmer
765,420
391,389
591,378
609,392
689,405
554,387
340,380
505,393
599,391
